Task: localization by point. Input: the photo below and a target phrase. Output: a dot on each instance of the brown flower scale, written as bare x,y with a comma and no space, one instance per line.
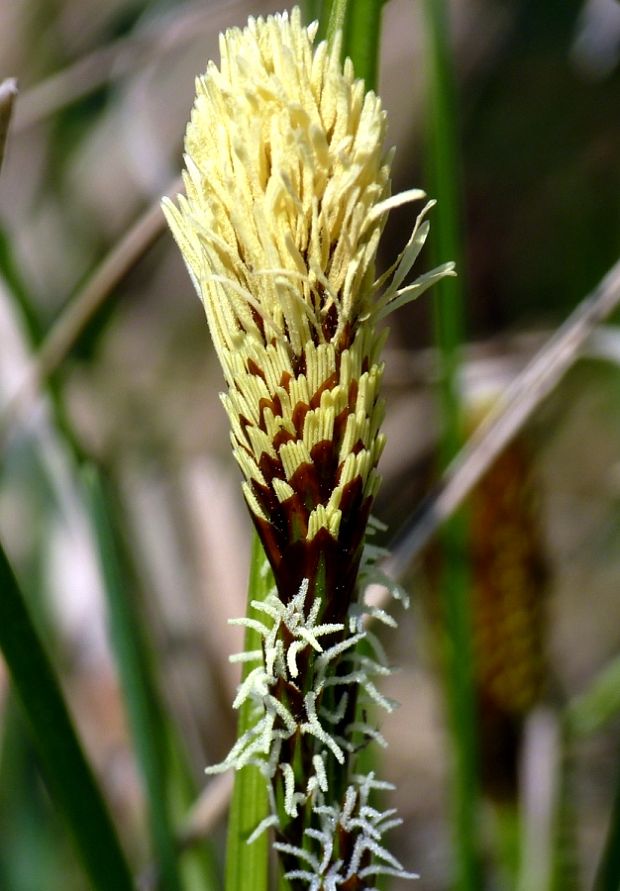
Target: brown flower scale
308,441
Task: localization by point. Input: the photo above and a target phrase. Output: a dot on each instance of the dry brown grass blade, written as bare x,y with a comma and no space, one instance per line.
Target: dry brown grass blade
72,322
209,808
121,57
506,419
8,92
46,98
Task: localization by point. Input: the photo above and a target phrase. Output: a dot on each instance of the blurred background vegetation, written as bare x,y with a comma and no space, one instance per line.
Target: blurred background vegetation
131,389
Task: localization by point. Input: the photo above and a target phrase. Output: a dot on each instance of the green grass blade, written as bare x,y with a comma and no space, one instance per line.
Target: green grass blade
27,818
589,713
132,658
18,290
443,170
198,864
311,10
26,313
360,23
586,714
247,865
564,856
363,39
608,872
66,769
332,18
592,710
337,17
448,302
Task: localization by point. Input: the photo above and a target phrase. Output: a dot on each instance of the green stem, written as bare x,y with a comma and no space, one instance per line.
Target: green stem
67,771
587,714
444,183
363,39
132,659
592,710
443,166
335,15
565,872
360,23
311,10
608,872
247,865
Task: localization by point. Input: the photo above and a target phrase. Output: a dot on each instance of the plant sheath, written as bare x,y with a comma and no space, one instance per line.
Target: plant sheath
363,39
247,866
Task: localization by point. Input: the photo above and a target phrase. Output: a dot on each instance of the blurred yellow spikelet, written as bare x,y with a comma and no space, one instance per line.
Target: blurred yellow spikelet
509,609
509,579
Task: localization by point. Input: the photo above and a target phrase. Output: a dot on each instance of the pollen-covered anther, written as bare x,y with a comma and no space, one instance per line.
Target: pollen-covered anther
277,426
282,489
260,442
248,465
356,430
294,455
320,364
356,465
324,518
318,427
252,502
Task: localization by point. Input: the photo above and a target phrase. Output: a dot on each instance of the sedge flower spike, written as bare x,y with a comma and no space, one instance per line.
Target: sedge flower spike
287,191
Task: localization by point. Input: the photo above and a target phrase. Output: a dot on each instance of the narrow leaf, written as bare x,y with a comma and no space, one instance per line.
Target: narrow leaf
608,872
27,817
363,39
333,18
67,771
147,726
592,710
448,311
311,10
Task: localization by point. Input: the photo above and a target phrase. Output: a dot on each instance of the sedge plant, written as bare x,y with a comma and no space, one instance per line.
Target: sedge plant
287,191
